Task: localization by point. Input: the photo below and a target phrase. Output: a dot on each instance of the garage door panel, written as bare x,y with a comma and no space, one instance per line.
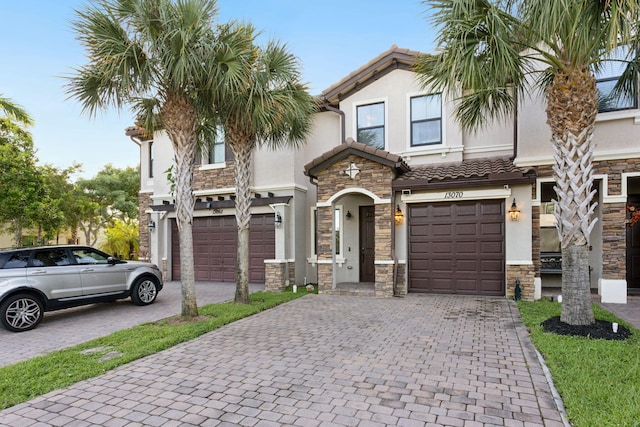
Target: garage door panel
458,247
491,229
215,247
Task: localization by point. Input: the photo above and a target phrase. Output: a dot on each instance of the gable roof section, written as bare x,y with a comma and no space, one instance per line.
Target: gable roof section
475,172
393,59
350,147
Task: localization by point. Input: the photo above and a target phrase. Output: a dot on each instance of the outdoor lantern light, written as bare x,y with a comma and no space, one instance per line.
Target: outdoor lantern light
152,225
514,212
348,214
278,220
399,217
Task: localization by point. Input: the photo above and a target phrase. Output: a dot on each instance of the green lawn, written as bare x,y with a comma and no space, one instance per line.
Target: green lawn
25,380
599,380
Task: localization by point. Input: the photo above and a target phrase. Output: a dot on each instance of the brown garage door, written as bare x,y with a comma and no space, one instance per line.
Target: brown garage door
215,244
457,248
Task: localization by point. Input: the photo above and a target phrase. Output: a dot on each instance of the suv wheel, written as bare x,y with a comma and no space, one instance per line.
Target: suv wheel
21,312
144,291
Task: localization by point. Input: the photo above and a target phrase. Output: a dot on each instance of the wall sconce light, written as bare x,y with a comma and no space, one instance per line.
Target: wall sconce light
348,215
278,220
151,225
514,212
398,217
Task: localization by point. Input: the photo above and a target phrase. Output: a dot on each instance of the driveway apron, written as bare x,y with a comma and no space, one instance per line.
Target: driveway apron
421,360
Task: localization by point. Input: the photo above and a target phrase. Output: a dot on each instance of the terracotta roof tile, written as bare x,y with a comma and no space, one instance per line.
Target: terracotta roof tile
476,168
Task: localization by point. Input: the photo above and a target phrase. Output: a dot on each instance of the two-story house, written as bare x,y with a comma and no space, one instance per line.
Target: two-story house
390,192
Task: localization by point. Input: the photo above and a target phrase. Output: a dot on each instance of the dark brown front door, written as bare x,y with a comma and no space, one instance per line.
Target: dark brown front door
633,251
457,248
367,243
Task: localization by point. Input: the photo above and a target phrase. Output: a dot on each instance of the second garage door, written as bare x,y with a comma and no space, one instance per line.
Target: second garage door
457,248
215,245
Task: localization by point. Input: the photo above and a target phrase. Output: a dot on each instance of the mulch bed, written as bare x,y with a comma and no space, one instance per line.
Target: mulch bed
602,329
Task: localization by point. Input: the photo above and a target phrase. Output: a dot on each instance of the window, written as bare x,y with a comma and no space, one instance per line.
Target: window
15,260
371,124
217,148
89,256
150,159
50,258
426,120
607,77
337,221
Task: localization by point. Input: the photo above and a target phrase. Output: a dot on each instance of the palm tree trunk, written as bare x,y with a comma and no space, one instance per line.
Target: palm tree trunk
242,152
571,109
180,122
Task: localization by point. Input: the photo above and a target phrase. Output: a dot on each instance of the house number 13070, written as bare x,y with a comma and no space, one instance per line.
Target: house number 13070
453,195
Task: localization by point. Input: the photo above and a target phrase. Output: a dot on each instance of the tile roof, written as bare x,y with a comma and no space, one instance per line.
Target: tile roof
488,169
352,147
393,58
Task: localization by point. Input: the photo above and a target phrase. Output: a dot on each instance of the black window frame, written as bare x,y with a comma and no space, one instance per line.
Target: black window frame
603,105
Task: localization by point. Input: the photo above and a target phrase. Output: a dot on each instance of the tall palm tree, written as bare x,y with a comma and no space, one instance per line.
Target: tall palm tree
13,111
492,53
271,108
166,59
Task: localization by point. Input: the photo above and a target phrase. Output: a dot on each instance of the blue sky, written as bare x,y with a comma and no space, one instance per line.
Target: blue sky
330,37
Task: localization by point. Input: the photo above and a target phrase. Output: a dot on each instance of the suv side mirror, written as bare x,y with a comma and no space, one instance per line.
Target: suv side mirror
112,261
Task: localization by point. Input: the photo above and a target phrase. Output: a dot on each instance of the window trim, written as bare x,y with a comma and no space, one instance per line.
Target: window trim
385,132
150,158
410,98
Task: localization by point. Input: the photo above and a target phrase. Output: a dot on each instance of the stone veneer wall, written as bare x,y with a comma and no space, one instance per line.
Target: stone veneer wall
276,275
144,203
614,245
524,273
376,178
207,179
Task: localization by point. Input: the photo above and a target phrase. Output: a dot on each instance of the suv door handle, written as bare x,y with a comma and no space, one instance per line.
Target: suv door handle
86,269
39,272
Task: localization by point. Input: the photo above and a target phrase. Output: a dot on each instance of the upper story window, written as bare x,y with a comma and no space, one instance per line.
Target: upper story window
217,148
606,79
426,120
150,159
371,124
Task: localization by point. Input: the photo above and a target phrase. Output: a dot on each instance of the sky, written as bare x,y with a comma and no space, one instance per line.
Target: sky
38,49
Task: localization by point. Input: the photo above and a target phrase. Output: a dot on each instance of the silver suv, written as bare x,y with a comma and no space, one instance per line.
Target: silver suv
36,280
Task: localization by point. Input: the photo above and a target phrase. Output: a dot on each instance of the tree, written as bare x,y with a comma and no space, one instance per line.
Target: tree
271,107
20,183
489,52
14,112
122,239
165,59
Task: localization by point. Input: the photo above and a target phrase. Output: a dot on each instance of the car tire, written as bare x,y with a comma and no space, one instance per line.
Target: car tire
21,312
144,291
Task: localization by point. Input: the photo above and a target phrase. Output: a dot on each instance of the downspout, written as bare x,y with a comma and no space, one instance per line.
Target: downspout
342,124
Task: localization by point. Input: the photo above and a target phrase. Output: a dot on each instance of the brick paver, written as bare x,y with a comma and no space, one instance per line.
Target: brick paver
327,360
66,328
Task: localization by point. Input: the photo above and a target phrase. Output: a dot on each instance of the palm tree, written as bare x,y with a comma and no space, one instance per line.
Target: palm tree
13,111
494,52
166,59
272,108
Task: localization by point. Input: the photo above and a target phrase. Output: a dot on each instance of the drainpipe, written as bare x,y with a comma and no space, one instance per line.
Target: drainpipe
342,125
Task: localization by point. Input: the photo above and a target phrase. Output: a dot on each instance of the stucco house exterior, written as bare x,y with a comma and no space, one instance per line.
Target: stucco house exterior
389,192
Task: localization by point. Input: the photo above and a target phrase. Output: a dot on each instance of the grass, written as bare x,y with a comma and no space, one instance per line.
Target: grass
599,380
31,378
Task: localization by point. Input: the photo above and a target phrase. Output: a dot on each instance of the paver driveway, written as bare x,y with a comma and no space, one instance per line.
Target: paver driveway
327,360
66,328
